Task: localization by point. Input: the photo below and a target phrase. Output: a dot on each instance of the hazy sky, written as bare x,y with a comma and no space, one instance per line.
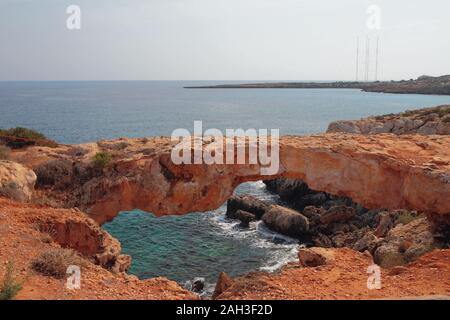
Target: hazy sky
220,39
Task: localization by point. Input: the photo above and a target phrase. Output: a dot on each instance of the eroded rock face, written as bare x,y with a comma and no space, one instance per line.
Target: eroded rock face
16,181
424,121
383,171
73,229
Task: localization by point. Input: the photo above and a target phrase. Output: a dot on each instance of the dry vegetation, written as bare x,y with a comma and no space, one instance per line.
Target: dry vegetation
54,262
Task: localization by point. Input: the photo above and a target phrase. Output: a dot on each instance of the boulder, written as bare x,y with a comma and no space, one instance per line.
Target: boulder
248,204
314,257
387,222
286,221
405,243
245,217
337,214
223,283
321,240
288,189
198,284
16,181
368,242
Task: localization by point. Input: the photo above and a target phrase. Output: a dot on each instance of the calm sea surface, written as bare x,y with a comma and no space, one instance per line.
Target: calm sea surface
194,245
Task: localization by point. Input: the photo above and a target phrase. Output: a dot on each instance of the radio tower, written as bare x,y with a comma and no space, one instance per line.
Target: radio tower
376,59
367,64
357,59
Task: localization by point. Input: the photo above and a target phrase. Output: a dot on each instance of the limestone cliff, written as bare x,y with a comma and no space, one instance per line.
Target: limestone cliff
382,171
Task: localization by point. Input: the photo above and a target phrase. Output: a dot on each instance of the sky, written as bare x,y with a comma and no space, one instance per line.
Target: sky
222,39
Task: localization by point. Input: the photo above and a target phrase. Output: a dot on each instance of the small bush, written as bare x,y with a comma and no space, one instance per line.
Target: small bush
101,159
10,288
54,262
406,217
5,152
22,137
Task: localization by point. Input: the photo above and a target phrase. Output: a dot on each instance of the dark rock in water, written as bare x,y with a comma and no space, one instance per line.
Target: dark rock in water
245,218
223,283
337,214
246,203
198,284
298,195
286,221
315,199
288,189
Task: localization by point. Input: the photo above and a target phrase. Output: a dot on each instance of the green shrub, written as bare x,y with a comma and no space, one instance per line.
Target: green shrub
406,217
25,133
54,262
22,137
101,159
10,288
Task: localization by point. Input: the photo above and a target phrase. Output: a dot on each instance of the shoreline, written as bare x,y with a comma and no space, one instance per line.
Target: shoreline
422,85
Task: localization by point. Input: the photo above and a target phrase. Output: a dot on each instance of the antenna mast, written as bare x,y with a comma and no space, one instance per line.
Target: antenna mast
376,59
367,65
357,59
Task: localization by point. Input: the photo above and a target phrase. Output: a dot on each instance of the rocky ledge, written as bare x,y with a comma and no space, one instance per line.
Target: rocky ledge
382,171
426,121
57,238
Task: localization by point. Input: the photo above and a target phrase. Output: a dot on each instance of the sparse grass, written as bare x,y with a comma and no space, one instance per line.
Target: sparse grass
54,262
406,217
21,137
101,159
122,145
5,152
10,287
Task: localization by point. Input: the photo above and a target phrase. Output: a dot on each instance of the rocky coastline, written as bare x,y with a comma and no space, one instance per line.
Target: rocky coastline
421,85
353,198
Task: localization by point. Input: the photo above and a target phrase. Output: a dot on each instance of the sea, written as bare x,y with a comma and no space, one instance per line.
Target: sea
196,245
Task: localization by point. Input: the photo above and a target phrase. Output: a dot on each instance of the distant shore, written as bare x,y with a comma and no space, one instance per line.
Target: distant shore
422,85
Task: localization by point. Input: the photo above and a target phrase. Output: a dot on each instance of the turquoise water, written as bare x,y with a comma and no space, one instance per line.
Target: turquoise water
201,244
195,245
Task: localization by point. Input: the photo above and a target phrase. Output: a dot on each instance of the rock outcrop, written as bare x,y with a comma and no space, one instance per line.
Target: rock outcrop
16,181
383,171
286,221
71,228
27,231
314,257
344,277
428,121
405,243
